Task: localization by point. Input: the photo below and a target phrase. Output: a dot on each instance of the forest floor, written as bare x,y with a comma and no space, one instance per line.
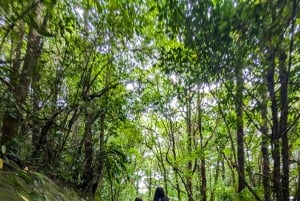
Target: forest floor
33,186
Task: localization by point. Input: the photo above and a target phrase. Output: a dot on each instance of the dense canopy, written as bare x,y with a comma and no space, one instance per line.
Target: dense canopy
117,97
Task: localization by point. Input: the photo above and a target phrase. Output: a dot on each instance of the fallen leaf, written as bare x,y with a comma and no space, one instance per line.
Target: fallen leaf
1,163
24,198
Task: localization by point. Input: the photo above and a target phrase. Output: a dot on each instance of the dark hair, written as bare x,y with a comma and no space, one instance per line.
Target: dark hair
160,195
138,199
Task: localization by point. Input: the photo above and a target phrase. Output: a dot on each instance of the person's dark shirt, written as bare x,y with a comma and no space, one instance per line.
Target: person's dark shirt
160,195
164,199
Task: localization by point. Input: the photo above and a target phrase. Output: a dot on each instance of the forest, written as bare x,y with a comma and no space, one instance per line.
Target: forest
117,97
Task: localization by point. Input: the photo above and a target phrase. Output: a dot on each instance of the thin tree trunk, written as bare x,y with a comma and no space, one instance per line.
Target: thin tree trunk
112,197
202,158
36,131
283,127
297,194
173,150
264,149
177,184
189,183
163,168
203,179
165,176
150,184
240,129
216,177
275,131
223,170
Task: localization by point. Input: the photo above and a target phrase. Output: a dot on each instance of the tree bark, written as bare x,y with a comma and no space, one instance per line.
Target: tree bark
216,177
203,179
88,170
189,183
240,129
264,148
11,123
100,155
297,194
283,127
15,71
202,168
275,130
36,131
173,150
88,174
150,184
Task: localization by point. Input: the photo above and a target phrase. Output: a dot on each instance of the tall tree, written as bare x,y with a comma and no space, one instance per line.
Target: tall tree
11,123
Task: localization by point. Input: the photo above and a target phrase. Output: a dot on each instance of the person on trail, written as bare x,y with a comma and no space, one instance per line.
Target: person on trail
160,195
138,199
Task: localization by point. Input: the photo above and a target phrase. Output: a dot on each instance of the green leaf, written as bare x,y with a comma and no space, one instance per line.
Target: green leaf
296,144
3,149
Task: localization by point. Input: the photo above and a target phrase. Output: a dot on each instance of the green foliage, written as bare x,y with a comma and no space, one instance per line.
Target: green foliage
225,195
141,92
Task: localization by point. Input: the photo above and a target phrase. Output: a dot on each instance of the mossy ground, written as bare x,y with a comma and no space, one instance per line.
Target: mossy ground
33,186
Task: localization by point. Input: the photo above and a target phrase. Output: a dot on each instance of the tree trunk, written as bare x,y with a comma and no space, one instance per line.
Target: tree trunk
88,170
297,194
150,183
36,131
264,149
162,166
203,179
173,150
164,171
12,123
240,129
15,71
99,163
216,177
275,131
88,176
101,153
202,168
189,183
283,127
